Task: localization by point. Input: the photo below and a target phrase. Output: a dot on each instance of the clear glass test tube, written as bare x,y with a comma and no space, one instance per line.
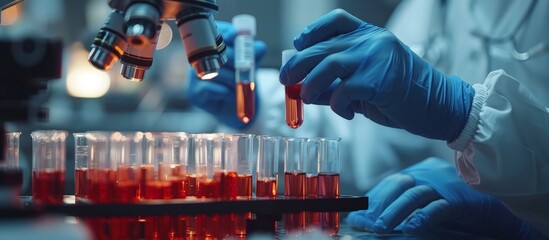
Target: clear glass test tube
294,150
294,166
126,150
48,166
11,175
239,158
160,148
311,168
208,153
328,180
101,168
245,66
178,168
328,166
293,102
267,166
81,157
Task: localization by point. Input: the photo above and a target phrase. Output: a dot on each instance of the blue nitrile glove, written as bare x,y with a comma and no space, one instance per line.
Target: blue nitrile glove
441,199
356,67
218,96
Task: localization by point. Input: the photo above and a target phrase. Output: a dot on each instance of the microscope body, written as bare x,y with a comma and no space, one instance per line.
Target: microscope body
131,31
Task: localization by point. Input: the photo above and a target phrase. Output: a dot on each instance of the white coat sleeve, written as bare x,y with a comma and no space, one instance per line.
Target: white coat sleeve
504,147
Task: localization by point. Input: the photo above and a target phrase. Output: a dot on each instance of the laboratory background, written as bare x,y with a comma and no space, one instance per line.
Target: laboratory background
86,99
80,98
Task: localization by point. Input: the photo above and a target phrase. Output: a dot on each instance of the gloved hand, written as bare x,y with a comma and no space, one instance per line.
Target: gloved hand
357,67
218,96
442,199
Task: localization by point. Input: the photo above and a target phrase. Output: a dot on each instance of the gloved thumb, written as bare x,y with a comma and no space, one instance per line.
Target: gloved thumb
332,24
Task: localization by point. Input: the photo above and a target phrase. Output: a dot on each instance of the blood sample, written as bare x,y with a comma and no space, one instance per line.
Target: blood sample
11,175
244,63
146,173
48,187
209,189
294,184
102,185
191,185
293,102
244,185
229,183
81,157
328,184
267,166
294,106
48,165
245,101
81,182
266,187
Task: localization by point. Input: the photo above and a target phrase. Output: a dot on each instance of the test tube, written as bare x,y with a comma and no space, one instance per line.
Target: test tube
328,167
312,219
238,158
311,168
48,166
80,165
101,168
208,153
11,175
126,150
178,168
294,172
244,63
267,166
294,103
328,180
294,180
159,151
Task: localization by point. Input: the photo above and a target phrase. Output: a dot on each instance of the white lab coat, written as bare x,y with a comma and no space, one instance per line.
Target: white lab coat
504,148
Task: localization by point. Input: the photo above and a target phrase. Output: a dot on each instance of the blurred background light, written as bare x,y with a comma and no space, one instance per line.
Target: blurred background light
83,80
10,15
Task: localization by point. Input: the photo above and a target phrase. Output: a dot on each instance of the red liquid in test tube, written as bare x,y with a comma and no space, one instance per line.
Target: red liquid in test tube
48,187
191,185
311,183
229,183
146,173
244,185
294,184
81,182
101,185
266,188
245,101
209,189
328,184
294,106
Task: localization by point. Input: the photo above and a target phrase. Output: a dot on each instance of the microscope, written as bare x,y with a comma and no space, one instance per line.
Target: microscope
130,34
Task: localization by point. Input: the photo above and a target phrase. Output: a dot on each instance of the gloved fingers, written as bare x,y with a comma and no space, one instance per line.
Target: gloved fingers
324,98
340,102
260,48
373,113
403,206
430,216
334,23
360,219
382,195
228,32
325,73
210,96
